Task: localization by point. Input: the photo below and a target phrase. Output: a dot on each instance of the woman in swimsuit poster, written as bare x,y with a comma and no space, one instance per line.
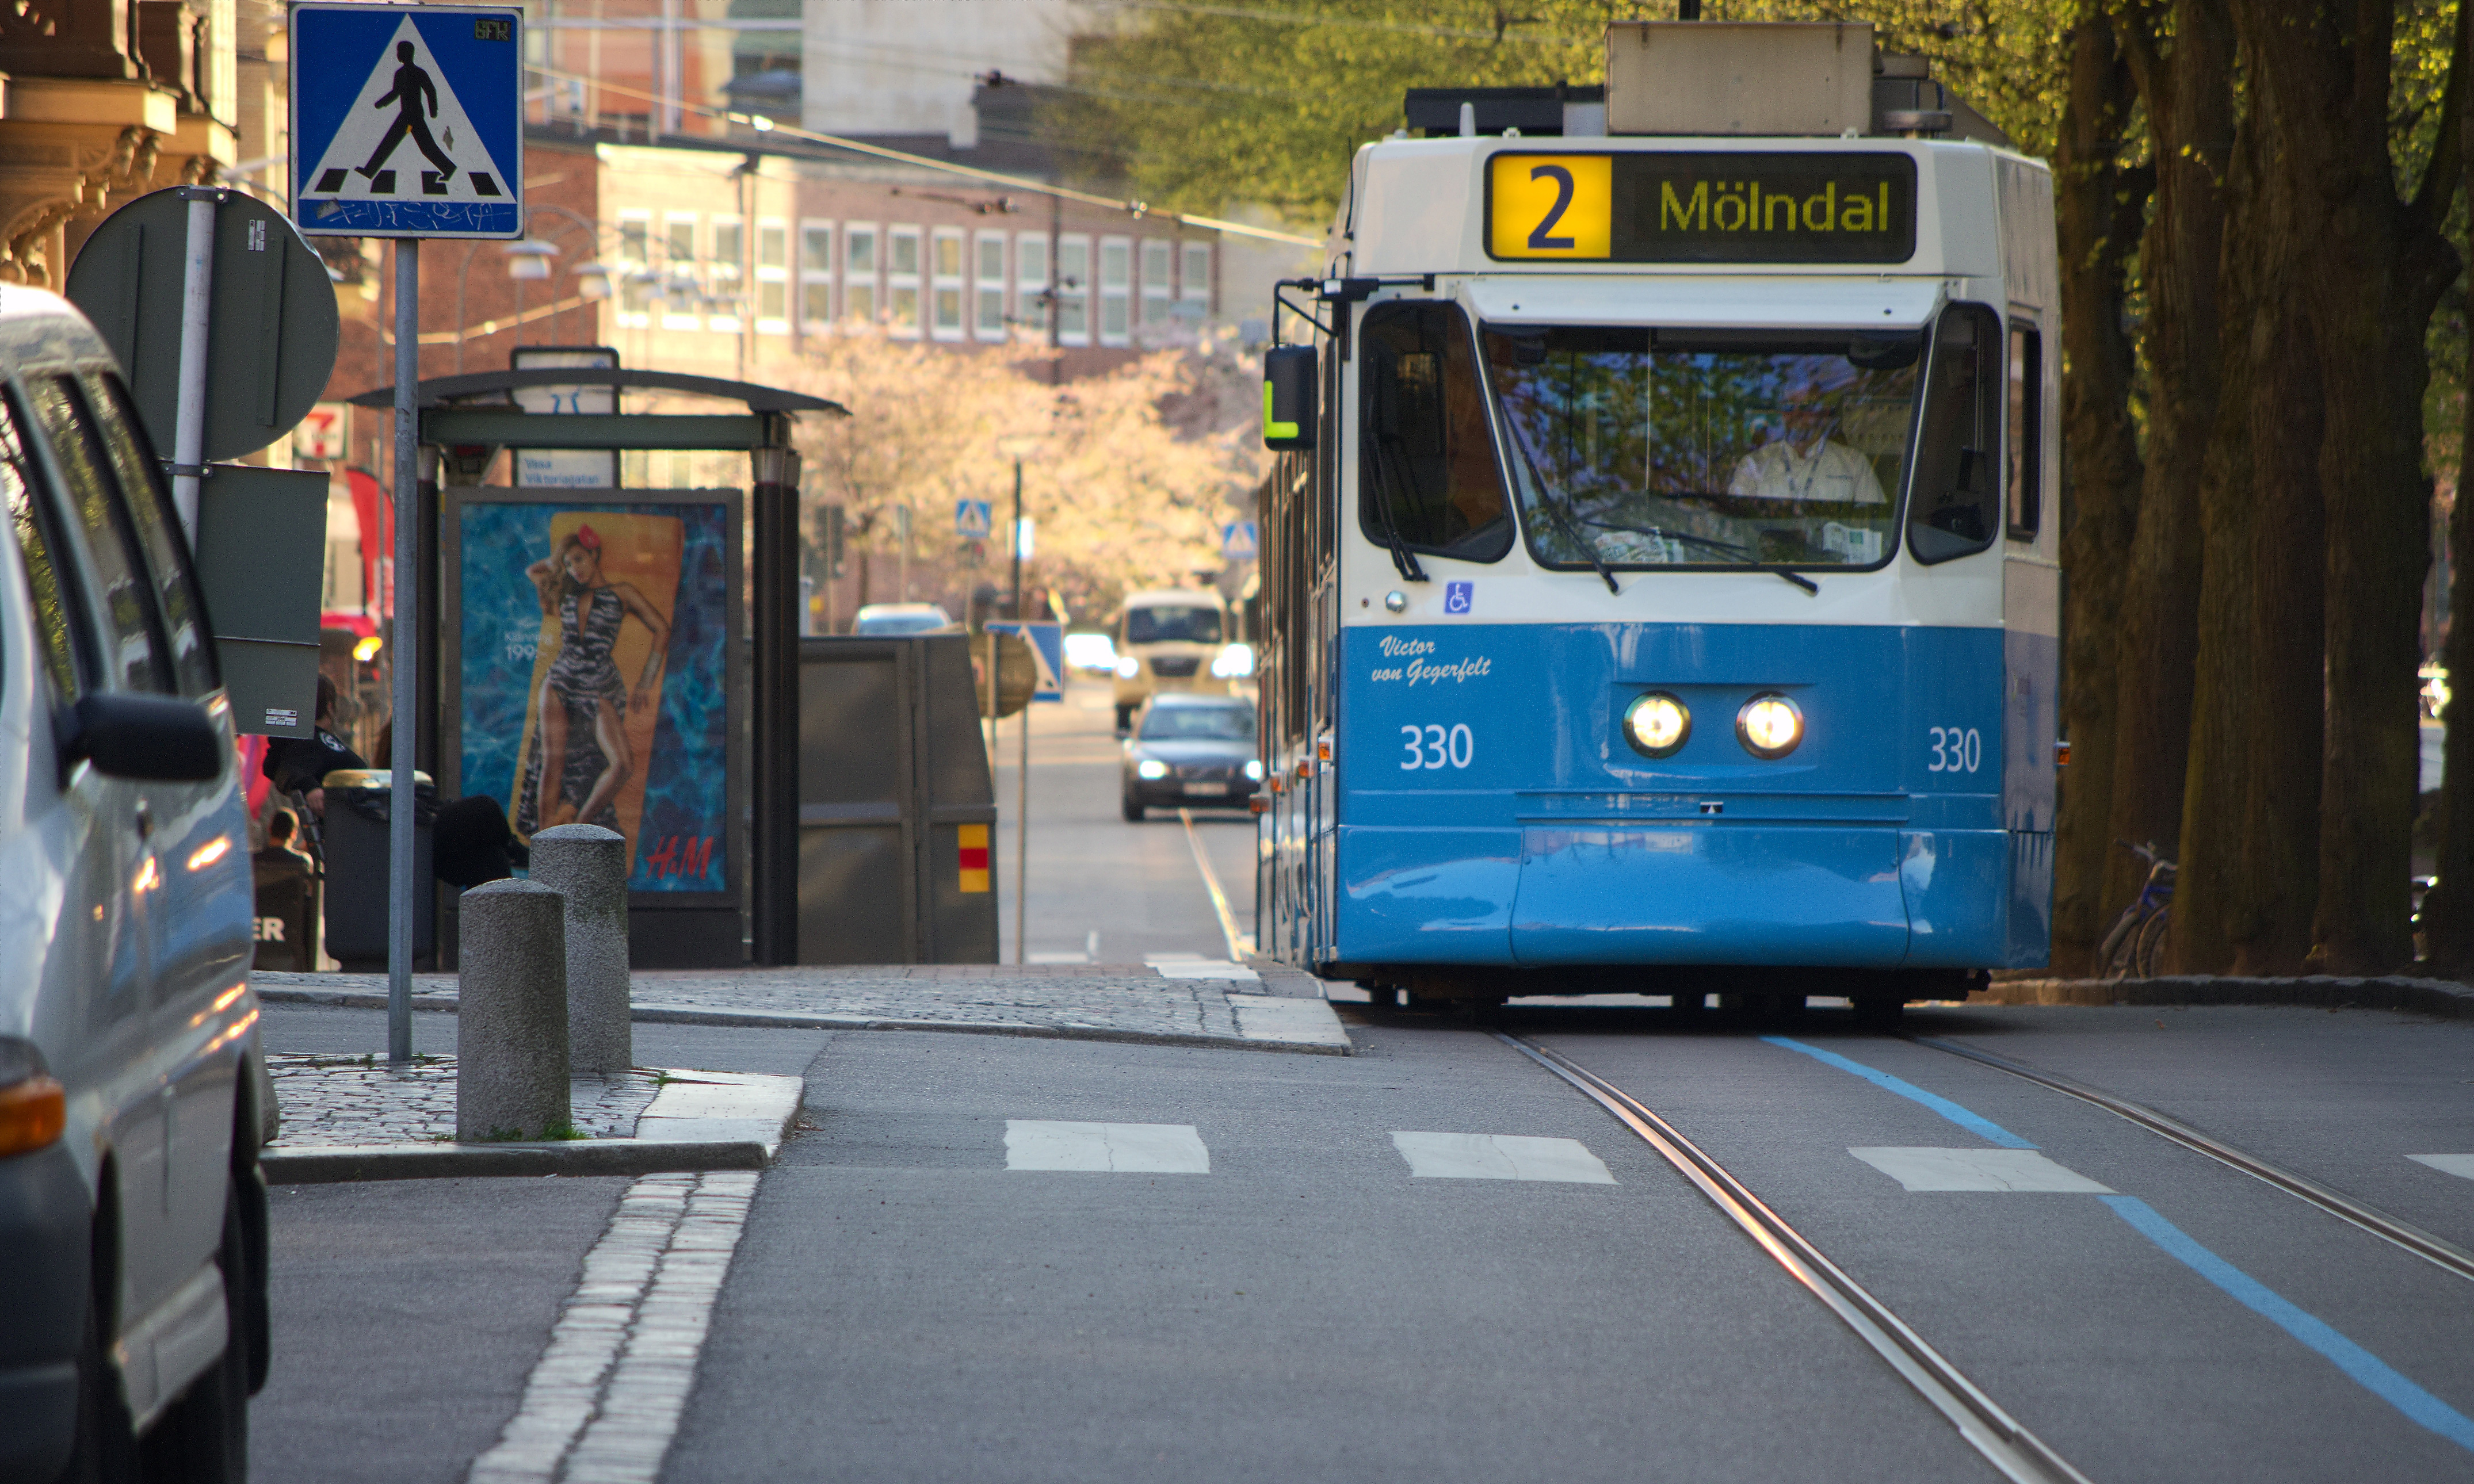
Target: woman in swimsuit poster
591,731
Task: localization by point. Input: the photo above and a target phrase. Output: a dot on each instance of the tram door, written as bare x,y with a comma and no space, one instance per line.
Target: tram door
1301,621
1323,723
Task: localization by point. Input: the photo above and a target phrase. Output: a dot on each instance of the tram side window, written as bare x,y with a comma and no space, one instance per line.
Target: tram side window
1955,500
1426,465
2026,418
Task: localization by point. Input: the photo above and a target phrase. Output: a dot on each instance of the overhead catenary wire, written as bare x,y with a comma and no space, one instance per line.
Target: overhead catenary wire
1022,183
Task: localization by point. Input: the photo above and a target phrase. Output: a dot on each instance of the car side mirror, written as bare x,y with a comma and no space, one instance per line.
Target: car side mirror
155,739
1289,398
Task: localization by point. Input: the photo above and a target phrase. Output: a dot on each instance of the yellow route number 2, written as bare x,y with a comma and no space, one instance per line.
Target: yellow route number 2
1552,205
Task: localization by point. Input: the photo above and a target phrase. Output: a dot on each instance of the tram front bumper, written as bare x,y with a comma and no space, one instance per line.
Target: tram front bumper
1585,892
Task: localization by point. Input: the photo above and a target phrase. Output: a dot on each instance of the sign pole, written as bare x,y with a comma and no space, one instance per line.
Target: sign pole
197,314
1022,835
400,855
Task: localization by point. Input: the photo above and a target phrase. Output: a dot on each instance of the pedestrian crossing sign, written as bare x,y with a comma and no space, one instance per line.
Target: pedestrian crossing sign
407,121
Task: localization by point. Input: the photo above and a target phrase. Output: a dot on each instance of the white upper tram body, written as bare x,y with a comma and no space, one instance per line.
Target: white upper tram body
1455,787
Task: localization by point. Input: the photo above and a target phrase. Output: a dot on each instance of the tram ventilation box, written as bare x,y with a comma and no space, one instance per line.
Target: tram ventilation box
897,815
1776,78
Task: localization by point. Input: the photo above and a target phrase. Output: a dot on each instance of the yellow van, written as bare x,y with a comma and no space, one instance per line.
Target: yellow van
1172,638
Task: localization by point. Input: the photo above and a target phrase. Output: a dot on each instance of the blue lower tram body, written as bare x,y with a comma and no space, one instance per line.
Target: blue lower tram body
1911,829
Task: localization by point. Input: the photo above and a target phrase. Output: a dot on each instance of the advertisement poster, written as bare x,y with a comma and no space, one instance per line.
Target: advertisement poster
592,660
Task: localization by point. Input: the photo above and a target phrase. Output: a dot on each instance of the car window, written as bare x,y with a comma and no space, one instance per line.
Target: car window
43,580
127,605
158,533
1217,723
1172,626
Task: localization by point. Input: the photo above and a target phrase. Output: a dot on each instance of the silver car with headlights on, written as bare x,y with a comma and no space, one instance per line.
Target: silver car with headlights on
132,1214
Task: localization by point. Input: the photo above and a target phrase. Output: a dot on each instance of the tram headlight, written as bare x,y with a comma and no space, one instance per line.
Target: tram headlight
1657,724
1769,726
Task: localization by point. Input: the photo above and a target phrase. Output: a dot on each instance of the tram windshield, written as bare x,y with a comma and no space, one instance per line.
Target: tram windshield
1641,448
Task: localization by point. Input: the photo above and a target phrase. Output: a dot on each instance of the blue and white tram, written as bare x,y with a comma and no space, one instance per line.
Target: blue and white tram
1660,571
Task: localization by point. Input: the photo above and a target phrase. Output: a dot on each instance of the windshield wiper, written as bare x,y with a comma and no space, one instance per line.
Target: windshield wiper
1731,549
1550,499
1402,558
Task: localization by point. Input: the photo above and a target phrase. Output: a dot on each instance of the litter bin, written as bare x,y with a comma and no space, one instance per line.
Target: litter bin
359,806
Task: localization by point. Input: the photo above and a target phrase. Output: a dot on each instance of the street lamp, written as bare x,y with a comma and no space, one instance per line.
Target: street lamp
1018,447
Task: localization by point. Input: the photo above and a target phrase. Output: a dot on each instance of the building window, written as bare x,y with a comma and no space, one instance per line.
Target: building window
772,278
1193,283
1116,281
858,274
1031,278
637,279
902,281
728,275
988,287
1155,282
945,300
815,277
682,288
1074,291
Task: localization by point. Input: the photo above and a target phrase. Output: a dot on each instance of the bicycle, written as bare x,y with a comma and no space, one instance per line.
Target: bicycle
2136,944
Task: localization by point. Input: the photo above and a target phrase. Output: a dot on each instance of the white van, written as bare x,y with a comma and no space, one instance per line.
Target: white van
1172,639
133,1211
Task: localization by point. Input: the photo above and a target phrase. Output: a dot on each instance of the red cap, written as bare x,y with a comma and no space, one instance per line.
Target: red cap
588,538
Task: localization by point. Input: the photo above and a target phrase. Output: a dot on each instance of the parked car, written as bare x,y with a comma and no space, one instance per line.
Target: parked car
1091,651
133,1211
1169,640
1192,751
899,618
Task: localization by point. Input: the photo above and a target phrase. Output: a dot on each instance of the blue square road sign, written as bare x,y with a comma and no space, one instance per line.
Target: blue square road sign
407,121
1048,648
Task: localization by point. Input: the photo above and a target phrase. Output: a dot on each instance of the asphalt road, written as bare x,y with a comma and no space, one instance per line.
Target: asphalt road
1310,1290
1136,887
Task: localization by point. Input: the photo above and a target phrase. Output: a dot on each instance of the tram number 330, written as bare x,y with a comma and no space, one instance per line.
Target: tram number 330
1956,750
1438,747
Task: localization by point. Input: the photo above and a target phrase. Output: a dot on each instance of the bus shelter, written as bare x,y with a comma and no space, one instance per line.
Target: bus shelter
587,658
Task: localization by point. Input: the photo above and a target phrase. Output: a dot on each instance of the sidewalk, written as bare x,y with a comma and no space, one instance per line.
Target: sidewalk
1171,1001
363,1118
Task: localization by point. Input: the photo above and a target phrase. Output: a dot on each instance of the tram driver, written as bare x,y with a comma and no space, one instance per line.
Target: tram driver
1804,460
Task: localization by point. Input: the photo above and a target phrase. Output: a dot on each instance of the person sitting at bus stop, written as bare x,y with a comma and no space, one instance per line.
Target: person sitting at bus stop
300,765
285,887
1804,462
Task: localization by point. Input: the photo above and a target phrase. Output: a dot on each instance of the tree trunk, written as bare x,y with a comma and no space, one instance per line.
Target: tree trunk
2448,909
2250,805
2369,269
2098,207
2189,87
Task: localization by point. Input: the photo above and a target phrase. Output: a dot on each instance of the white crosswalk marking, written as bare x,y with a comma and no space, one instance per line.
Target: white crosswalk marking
1124,1148
2016,1170
1501,1157
2459,1164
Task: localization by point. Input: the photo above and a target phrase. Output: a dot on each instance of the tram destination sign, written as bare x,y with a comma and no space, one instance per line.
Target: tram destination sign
1702,208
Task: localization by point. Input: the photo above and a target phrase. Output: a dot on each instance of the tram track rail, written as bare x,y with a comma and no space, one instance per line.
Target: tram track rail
2436,1250
2010,1448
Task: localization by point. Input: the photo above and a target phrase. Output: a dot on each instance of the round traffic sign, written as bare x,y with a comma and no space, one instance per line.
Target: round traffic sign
271,335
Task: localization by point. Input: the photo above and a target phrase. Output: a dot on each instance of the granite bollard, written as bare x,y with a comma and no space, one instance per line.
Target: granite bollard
588,865
511,1014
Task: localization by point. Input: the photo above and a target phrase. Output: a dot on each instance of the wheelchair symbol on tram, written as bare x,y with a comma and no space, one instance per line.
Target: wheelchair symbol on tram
1457,596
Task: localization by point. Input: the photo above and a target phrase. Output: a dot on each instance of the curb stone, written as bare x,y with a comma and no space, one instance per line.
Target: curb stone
1259,1028
2439,997
699,1120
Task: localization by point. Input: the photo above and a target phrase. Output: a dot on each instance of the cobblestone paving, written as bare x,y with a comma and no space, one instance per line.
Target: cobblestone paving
330,1101
1079,997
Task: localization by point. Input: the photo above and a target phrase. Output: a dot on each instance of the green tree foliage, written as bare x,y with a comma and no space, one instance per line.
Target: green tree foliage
1264,102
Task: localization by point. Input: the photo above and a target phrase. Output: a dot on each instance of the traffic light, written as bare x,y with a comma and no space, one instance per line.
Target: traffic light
835,533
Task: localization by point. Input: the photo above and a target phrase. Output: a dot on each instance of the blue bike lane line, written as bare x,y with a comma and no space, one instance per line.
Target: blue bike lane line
2359,1365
